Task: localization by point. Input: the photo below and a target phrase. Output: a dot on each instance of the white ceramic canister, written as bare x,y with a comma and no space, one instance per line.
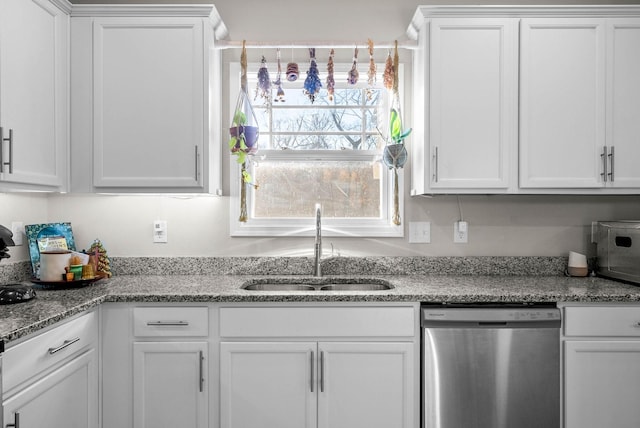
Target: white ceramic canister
53,264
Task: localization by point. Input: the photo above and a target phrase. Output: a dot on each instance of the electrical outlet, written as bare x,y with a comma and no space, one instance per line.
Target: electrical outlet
419,232
17,228
460,232
160,231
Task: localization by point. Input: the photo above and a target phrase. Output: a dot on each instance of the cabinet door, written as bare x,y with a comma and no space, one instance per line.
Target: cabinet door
268,385
562,102
602,384
473,102
148,100
65,398
623,102
170,386
33,93
366,385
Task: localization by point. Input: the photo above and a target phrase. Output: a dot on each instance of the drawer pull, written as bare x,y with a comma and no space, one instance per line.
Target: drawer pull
168,323
65,344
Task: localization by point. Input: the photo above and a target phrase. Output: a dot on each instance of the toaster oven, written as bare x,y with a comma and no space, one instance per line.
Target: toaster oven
618,249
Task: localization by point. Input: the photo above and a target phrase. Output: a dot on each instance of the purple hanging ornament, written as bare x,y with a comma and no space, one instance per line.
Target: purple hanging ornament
312,83
352,78
331,83
264,82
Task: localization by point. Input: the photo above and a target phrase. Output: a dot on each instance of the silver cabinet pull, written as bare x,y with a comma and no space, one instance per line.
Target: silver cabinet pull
604,156
10,141
321,371
435,164
611,161
312,377
201,371
65,344
197,163
168,323
16,421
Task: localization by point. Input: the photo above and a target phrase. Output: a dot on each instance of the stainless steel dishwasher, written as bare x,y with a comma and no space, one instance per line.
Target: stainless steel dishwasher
490,366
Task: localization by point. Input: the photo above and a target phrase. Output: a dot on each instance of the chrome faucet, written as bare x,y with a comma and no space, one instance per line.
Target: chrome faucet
318,243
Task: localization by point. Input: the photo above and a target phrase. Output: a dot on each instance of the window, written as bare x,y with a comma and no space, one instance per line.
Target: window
325,152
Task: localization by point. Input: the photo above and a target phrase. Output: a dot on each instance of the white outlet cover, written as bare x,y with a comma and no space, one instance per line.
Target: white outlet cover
460,232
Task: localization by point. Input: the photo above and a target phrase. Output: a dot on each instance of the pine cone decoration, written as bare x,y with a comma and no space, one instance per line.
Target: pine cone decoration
103,260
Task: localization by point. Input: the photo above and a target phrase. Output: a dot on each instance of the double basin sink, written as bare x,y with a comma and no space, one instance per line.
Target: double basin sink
317,284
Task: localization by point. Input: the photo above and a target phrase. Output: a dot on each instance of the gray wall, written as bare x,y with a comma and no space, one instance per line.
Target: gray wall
199,226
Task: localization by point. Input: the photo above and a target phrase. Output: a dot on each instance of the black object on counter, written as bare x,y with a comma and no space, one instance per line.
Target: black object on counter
5,241
15,293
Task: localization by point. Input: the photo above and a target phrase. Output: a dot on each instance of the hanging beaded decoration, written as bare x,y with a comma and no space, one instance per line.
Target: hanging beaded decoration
263,87
278,81
353,75
371,74
312,83
331,82
388,76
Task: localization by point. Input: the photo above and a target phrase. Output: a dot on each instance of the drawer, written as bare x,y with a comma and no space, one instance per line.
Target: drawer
370,321
170,321
602,321
35,355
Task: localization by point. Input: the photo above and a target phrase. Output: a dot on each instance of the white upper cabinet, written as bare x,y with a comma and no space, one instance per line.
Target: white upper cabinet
147,93
473,102
562,102
623,103
34,39
526,99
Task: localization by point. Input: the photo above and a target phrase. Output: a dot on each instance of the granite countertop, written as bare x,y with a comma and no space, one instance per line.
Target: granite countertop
52,305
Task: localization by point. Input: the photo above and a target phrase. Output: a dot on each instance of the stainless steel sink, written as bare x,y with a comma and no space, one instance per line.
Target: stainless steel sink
317,284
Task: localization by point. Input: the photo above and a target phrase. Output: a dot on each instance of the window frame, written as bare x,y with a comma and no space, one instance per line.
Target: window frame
305,226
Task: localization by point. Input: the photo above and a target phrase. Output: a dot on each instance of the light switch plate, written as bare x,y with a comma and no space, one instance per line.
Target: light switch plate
160,231
419,232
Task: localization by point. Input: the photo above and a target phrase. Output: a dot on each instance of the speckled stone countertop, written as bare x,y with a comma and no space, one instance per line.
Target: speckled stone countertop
462,285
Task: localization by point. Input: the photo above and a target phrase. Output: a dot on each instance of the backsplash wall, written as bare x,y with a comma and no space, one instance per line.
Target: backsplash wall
199,226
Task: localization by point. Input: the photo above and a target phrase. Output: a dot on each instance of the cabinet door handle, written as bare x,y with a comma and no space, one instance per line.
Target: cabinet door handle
312,377
65,344
196,163
201,371
168,323
435,164
604,156
321,371
16,421
10,141
611,163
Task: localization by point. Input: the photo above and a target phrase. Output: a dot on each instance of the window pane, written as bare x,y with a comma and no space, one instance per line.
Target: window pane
324,142
291,189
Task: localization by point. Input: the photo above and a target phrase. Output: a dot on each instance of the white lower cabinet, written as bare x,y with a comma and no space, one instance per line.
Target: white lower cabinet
51,379
309,384
65,398
268,384
169,384
320,375
601,366
155,368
